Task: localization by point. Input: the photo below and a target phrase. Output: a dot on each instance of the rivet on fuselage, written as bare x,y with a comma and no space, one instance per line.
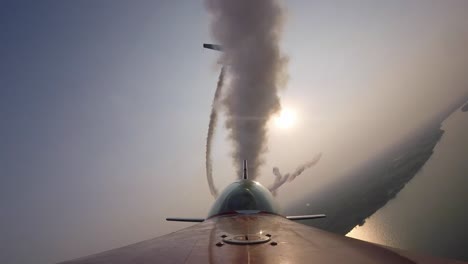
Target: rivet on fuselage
219,244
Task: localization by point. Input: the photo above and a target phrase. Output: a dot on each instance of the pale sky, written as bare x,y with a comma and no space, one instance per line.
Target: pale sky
104,109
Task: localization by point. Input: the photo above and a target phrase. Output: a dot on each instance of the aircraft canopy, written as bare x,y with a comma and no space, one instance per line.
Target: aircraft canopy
244,195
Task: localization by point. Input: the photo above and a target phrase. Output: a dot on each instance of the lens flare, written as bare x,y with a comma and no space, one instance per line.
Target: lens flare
286,118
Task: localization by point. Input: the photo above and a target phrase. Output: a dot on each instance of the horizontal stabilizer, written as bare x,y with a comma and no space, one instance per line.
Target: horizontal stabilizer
213,47
177,219
305,217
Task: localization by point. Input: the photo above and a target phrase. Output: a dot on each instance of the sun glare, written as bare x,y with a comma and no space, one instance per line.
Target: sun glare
286,118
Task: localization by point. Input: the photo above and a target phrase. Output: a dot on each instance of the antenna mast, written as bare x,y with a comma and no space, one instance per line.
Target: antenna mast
245,176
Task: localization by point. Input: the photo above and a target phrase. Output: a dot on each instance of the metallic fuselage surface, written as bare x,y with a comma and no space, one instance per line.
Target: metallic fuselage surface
290,242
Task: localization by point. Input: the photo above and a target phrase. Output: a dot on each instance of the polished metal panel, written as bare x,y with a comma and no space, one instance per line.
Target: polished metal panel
290,242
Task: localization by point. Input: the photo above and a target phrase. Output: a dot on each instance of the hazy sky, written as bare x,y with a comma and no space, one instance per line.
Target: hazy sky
104,109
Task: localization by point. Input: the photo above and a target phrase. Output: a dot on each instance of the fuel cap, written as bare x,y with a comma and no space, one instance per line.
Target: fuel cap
246,239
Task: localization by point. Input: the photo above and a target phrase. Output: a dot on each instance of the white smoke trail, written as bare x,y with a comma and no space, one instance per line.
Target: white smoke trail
249,32
211,131
279,180
282,179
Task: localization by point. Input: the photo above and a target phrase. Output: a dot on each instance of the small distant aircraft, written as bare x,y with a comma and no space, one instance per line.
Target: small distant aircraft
244,226
212,46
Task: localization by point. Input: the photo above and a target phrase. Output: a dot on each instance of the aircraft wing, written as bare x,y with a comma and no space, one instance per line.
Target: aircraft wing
259,238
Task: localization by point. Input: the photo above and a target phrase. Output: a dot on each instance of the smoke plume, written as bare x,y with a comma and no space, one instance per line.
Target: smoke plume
249,32
211,130
282,179
279,180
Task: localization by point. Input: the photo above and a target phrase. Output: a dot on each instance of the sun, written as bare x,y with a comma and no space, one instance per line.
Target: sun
286,118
